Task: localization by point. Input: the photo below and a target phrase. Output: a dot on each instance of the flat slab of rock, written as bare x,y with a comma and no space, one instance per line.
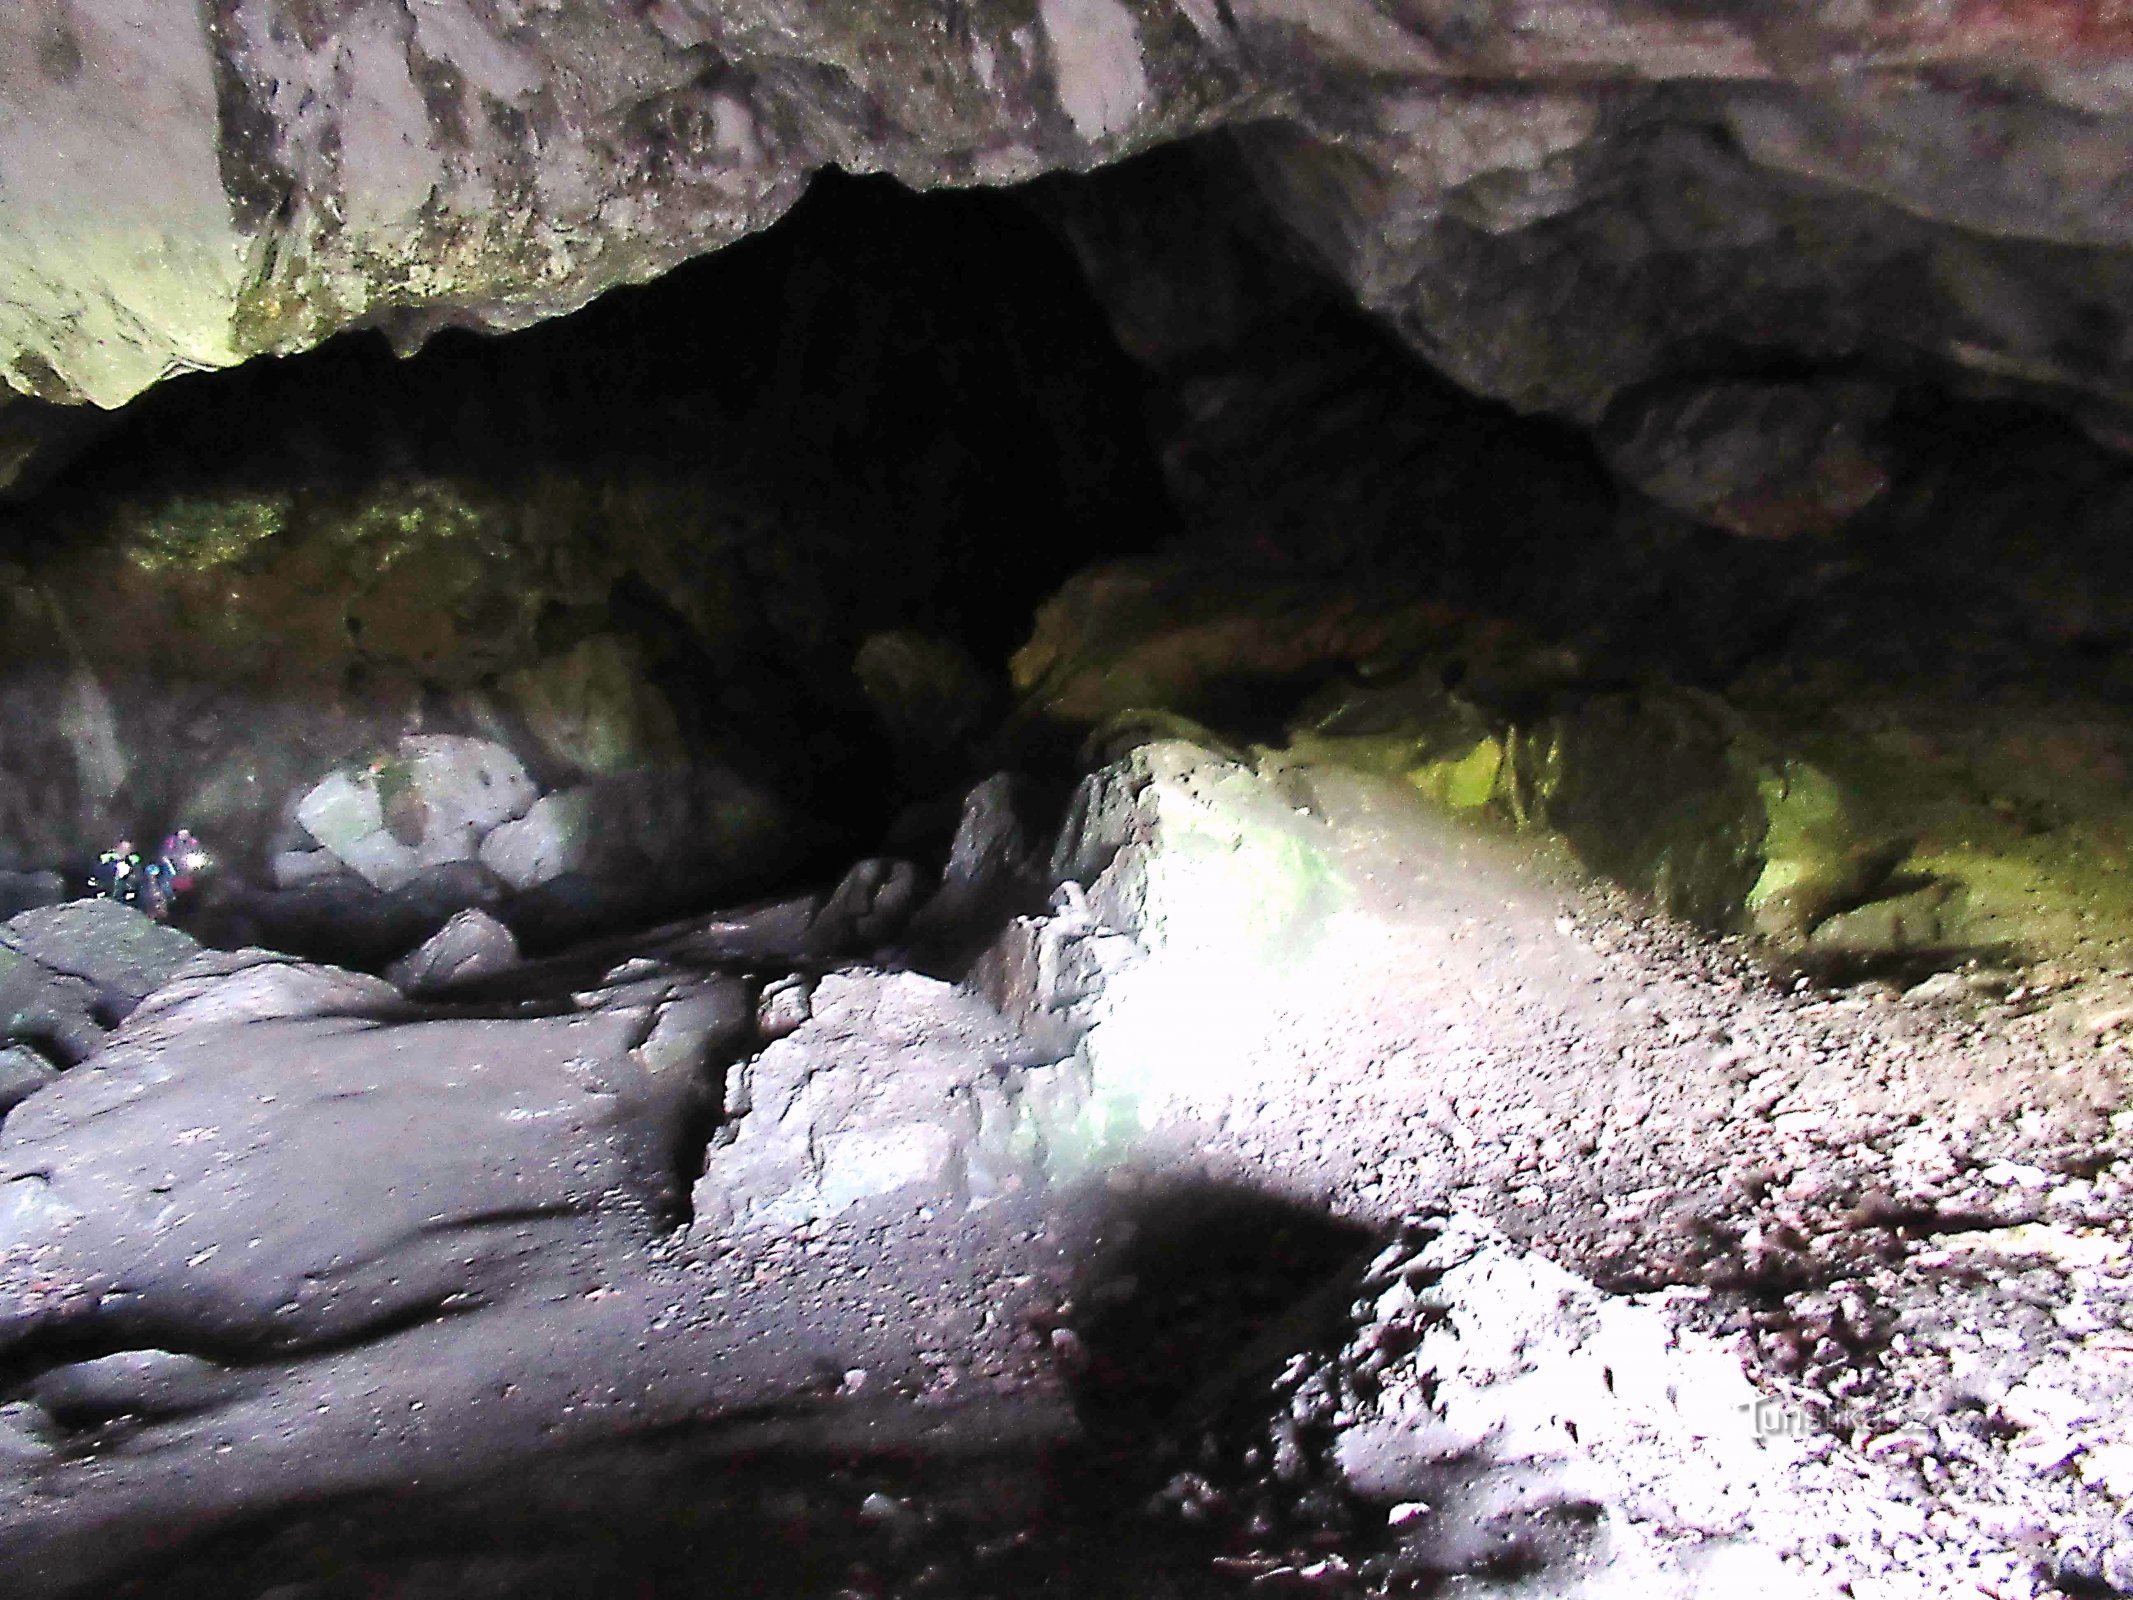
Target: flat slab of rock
125,955
348,1167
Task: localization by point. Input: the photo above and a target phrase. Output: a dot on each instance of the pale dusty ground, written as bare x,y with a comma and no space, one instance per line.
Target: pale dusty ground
1907,1212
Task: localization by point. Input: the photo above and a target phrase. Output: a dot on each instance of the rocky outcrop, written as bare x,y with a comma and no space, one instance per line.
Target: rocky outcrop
895,1083
1555,202
1488,1413
188,190
70,973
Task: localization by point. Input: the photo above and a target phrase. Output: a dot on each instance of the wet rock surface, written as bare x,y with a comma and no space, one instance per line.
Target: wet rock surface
465,1167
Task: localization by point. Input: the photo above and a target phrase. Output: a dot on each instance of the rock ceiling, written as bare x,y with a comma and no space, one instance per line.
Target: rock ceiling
1559,202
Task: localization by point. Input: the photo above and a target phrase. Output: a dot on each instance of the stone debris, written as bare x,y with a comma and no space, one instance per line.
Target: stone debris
293,869
771,934
132,1383
1490,1417
433,801
991,866
719,1136
784,1006
471,946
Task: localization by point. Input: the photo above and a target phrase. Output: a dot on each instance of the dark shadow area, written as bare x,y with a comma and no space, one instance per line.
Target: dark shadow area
893,421
1185,1299
1190,1291
925,375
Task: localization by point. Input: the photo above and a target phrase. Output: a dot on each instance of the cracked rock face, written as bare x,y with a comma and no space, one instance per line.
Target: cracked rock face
1556,202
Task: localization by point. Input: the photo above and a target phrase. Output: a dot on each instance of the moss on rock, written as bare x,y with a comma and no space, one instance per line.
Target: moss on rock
199,534
595,709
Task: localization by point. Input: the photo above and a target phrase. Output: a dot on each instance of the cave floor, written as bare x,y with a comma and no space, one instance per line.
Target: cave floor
1906,1211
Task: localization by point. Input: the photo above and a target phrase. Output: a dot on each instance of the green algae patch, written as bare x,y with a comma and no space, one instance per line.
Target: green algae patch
1464,783
1833,819
1652,790
2029,860
1820,856
1412,729
595,708
199,534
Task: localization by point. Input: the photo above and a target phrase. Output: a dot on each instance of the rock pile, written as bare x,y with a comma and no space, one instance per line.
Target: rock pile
1486,1415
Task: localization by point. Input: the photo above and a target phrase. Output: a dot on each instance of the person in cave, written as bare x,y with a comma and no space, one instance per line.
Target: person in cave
152,886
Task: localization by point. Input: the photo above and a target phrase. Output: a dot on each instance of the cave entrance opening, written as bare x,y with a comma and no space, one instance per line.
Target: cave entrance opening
681,599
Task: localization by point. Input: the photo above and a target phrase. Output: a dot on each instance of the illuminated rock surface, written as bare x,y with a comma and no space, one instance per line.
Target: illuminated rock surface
1555,202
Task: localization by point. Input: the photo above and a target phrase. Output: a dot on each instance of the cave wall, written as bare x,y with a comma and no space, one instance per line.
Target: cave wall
728,565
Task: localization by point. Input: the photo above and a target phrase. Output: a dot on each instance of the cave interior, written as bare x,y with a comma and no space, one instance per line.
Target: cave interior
1689,843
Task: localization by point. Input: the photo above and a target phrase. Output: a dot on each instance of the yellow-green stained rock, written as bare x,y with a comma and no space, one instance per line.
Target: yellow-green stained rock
1652,790
198,535
1826,819
1465,783
595,709
1818,856
1899,925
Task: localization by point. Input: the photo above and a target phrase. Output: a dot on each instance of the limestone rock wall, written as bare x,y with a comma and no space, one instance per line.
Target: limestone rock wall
1555,200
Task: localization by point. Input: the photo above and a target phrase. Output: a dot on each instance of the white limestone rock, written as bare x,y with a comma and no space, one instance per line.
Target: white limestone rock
551,839
432,802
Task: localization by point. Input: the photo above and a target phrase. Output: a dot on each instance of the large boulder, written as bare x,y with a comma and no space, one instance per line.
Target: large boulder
895,1085
432,801
1764,460
471,946
328,1178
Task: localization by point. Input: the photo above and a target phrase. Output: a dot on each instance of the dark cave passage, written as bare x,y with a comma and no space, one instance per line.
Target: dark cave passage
781,515
768,561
